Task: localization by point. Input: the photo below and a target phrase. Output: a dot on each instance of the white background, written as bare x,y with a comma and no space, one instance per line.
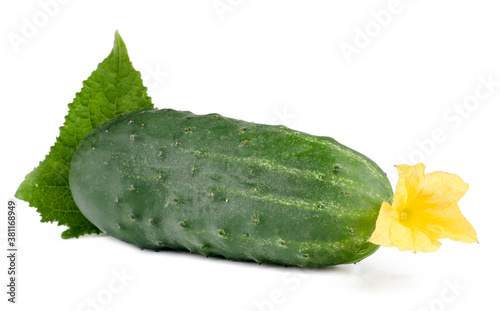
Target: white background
276,62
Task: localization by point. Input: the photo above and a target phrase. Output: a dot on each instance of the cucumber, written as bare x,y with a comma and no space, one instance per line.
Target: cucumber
167,179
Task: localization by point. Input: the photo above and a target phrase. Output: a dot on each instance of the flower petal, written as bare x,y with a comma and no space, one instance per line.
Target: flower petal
444,188
406,239
400,195
401,237
414,177
424,209
386,219
423,243
445,222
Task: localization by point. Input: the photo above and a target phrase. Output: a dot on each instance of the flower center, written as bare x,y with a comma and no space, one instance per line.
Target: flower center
403,216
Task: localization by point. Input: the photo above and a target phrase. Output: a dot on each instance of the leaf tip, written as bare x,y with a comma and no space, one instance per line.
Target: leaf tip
118,41
21,192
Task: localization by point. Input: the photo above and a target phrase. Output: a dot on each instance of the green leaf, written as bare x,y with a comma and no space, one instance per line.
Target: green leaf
114,88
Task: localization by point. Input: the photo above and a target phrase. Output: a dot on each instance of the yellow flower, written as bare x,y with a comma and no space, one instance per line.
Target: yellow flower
424,209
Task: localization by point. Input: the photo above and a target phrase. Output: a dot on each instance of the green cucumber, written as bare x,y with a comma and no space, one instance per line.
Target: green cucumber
224,187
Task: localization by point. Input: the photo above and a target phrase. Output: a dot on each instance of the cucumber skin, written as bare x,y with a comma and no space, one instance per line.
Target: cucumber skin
224,187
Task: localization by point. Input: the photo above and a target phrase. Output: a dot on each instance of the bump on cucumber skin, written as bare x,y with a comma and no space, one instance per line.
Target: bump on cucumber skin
224,187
